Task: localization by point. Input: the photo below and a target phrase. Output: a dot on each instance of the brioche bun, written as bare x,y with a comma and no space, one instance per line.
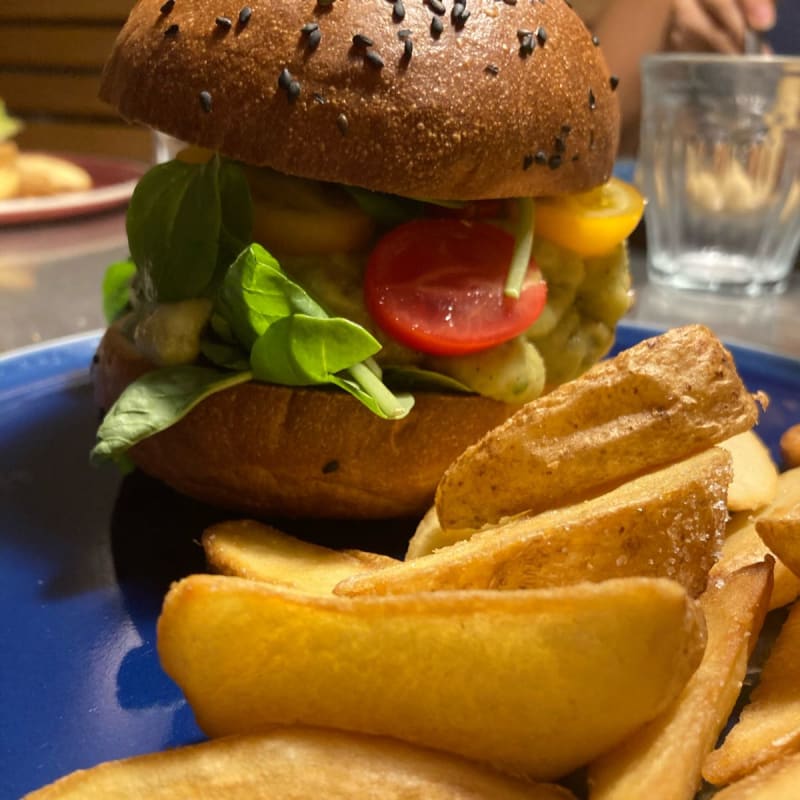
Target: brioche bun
274,450
514,100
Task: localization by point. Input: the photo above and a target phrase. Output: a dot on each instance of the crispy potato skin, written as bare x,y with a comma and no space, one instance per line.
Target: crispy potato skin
662,400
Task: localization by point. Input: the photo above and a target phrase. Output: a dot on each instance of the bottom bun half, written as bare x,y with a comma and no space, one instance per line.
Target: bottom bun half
280,451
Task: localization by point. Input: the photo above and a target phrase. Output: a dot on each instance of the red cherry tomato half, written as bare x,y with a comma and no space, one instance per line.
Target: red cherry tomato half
436,285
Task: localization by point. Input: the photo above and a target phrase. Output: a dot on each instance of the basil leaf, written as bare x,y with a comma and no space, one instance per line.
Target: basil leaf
181,238
155,401
117,289
299,350
386,209
225,355
256,292
386,405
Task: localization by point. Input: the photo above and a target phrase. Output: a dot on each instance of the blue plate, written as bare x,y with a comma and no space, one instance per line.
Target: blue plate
87,555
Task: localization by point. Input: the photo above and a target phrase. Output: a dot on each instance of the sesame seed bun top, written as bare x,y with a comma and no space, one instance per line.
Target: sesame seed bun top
462,100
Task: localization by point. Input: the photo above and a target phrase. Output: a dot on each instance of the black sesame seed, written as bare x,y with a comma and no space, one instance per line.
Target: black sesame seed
224,23
510,2
342,124
592,101
293,90
459,14
559,145
399,10
245,14
359,40
309,27
613,82
527,161
492,69
541,35
596,41
527,44
523,33
172,30
540,157
437,6
331,466
284,79
374,59
566,129
206,101
554,162
408,49
437,26
319,98
576,157
314,38
168,6
403,34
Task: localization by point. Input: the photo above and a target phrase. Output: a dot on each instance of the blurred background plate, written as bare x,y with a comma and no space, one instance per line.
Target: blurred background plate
113,183
88,554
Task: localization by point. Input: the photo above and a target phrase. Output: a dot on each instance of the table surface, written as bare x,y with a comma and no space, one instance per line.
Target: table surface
51,276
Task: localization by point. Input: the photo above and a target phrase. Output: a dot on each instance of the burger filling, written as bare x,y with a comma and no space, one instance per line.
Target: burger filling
242,273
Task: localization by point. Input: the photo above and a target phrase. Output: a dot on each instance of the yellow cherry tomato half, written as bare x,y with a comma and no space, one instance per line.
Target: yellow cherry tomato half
590,223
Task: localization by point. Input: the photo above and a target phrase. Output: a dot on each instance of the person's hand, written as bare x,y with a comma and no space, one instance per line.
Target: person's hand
717,25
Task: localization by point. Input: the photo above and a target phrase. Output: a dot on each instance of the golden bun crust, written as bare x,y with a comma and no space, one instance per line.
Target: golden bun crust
273,450
473,113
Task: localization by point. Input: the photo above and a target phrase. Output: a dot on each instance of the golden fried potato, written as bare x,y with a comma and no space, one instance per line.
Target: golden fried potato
668,523
777,780
668,752
781,533
662,400
755,476
744,546
41,174
769,725
790,447
535,682
430,536
9,175
295,764
253,550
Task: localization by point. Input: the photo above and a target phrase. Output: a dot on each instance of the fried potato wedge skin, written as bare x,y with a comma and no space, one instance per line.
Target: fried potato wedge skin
657,402
669,751
769,725
775,781
295,764
536,683
250,549
743,545
755,475
668,523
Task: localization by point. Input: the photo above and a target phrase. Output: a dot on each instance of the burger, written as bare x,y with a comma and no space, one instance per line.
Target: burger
392,224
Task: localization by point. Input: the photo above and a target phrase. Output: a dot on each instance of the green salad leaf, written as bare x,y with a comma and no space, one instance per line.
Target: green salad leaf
185,224
117,289
9,126
155,401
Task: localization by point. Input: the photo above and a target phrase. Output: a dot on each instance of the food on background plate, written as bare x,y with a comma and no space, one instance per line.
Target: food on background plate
790,447
296,763
392,229
24,174
536,682
668,752
781,533
663,399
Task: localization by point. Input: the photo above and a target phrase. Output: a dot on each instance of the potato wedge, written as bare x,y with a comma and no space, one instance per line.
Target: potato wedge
781,533
755,475
769,725
669,751
744,546
295,764
662,400
250,549
536,683
430,536
668,523
775,781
